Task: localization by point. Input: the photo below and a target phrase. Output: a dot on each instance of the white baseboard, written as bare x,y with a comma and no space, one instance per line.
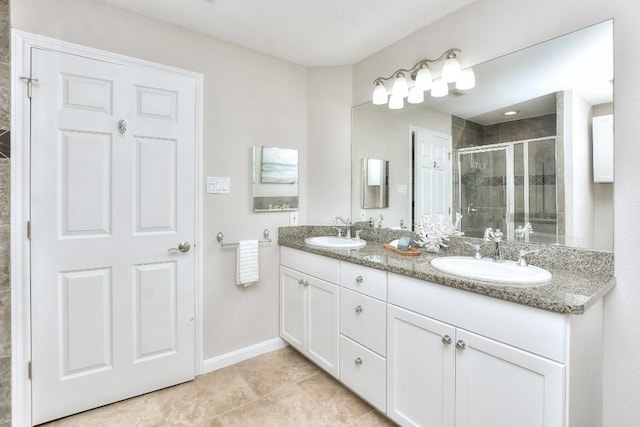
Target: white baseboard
228,359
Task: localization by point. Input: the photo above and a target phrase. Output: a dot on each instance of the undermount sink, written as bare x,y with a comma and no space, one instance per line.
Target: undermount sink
333,242
507,272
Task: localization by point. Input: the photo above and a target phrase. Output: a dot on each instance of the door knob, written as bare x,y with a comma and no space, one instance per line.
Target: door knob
182,247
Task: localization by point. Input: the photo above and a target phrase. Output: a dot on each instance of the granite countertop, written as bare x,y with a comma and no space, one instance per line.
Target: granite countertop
572,289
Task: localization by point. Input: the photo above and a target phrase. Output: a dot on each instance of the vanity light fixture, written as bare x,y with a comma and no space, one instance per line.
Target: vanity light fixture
511,113
413,82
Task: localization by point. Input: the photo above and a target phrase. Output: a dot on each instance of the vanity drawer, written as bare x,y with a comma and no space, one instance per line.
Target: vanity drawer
314,265
366,280
364,372
363,319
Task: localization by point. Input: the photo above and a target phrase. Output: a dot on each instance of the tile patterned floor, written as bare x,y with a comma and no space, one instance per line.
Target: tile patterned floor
281,388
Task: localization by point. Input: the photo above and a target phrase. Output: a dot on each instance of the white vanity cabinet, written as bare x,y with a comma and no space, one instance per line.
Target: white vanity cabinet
465,360
309,306
432,355
363,343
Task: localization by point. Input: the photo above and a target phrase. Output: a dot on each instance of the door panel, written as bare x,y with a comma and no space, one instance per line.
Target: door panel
86,332
85,184
156,173
112,308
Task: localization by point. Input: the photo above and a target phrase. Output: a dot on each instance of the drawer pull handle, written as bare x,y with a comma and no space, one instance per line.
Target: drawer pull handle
446,339
359,309
358,361
461,345
359,279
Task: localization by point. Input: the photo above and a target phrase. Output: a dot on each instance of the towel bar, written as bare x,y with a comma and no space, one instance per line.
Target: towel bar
220,239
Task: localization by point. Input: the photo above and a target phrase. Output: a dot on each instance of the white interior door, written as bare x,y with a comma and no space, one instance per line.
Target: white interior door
112,308
432,173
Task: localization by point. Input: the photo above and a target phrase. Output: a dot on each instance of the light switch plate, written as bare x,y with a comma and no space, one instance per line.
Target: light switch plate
218,185
363,215
403,190
293,218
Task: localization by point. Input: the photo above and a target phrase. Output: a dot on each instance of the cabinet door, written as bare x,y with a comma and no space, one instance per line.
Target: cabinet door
420,369
322,324
292,303
501,386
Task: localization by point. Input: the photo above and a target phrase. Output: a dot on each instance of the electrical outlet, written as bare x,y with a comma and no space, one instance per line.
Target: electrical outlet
363,215
293,218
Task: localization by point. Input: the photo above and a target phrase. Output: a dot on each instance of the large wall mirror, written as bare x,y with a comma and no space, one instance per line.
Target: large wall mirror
275,179
516,152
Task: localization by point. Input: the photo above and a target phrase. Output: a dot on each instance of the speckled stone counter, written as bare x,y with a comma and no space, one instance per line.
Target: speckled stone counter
580,277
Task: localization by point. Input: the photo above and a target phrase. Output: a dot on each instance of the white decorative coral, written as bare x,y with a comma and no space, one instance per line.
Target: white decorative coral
434,230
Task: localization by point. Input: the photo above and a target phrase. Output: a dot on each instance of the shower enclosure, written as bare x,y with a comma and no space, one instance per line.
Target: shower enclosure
508,186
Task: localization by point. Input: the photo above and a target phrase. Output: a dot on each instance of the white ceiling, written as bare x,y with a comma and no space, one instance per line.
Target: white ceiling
305,32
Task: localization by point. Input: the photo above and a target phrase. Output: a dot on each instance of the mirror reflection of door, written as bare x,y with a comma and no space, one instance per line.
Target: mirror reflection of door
432,174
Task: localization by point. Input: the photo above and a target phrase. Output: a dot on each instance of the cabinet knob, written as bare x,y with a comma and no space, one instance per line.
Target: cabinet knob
359,309
446,339
359,279
358,361
461,345
300,282
306,283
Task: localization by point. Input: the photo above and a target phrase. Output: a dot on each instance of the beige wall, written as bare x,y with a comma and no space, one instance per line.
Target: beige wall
249,99
490,28
329,145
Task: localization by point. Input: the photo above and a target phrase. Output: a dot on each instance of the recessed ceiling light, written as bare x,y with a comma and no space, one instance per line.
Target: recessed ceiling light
511,113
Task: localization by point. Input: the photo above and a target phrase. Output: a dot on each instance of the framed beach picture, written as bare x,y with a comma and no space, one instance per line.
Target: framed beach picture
279,165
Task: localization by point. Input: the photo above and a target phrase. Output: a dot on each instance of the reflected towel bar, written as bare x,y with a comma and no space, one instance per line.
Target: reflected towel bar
220,239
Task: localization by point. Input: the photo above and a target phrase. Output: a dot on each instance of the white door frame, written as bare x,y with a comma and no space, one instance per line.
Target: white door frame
22,42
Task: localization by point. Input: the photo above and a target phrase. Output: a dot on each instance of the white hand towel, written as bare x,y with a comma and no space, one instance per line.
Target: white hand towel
247,264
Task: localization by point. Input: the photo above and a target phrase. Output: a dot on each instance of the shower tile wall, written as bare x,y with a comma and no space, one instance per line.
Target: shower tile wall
518,130
5,168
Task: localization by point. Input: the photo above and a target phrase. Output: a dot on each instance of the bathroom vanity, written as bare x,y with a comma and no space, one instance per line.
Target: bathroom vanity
430,349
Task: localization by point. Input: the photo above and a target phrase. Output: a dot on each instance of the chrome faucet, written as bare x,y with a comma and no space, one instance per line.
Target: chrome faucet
376,222
495,236
522,230
347,223
478,250
522,257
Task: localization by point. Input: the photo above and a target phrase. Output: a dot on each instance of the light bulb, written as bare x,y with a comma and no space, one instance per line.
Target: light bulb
451,69
396,102
424,81
380,94
400,86
467,79
440,88
416,95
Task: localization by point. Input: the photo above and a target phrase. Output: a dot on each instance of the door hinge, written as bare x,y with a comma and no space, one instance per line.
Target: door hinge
30,83
29,370
29,230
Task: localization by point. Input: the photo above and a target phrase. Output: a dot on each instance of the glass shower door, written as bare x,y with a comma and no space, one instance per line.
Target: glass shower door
535,191
484,190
